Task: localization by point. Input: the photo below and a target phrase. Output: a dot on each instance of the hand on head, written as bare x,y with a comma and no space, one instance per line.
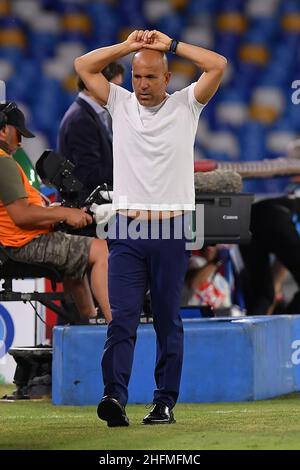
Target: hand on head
156,40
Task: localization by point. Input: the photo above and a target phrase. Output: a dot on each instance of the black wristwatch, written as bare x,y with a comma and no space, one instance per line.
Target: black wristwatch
173,46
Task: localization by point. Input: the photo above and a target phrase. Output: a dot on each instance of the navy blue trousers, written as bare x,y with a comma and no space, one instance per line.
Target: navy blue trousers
133,266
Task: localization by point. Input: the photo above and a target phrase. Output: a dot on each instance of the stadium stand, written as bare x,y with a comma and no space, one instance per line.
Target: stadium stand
249,119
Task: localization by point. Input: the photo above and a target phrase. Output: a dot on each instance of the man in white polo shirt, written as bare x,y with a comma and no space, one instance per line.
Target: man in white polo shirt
153,140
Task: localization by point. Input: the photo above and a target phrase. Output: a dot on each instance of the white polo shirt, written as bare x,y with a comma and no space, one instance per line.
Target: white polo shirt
153,150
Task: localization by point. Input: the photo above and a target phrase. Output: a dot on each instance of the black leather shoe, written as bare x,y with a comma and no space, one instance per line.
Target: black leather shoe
160,414
110,410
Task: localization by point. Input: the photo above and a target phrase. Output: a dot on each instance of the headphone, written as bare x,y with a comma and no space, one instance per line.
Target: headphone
4,112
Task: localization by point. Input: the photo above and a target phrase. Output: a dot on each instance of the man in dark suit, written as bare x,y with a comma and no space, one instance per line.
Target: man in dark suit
85,135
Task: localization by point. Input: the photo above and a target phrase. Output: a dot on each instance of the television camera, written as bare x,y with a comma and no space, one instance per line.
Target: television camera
55,170
226,210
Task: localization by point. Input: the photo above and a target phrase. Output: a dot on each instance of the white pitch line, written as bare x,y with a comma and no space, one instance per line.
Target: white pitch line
42,417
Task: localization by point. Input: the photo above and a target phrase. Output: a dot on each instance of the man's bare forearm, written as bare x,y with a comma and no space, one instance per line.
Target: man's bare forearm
30,215
203,58
89,65
98,59
38,217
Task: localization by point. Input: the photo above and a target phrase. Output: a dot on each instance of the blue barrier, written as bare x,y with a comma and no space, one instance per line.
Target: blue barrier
295,349
225,359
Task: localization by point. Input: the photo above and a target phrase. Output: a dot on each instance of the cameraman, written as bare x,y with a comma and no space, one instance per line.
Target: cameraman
26,225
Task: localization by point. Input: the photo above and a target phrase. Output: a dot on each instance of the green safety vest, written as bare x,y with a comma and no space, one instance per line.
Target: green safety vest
25,163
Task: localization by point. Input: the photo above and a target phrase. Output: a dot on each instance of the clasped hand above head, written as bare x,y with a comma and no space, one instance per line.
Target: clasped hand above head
153,39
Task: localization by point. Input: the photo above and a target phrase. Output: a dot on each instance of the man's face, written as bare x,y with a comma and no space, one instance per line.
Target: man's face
149,80
12,137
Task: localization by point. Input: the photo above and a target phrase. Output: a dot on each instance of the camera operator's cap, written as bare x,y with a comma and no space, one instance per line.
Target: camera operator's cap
16,118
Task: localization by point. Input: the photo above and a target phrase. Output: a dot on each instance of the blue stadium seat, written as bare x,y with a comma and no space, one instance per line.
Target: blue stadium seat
271,33
252,141
233,6
42,44
204,7
172,25
289,6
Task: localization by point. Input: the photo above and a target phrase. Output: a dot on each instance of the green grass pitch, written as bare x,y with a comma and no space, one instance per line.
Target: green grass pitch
269,424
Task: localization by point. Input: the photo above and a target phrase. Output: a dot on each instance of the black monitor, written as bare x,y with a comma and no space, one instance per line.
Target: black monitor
226,217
